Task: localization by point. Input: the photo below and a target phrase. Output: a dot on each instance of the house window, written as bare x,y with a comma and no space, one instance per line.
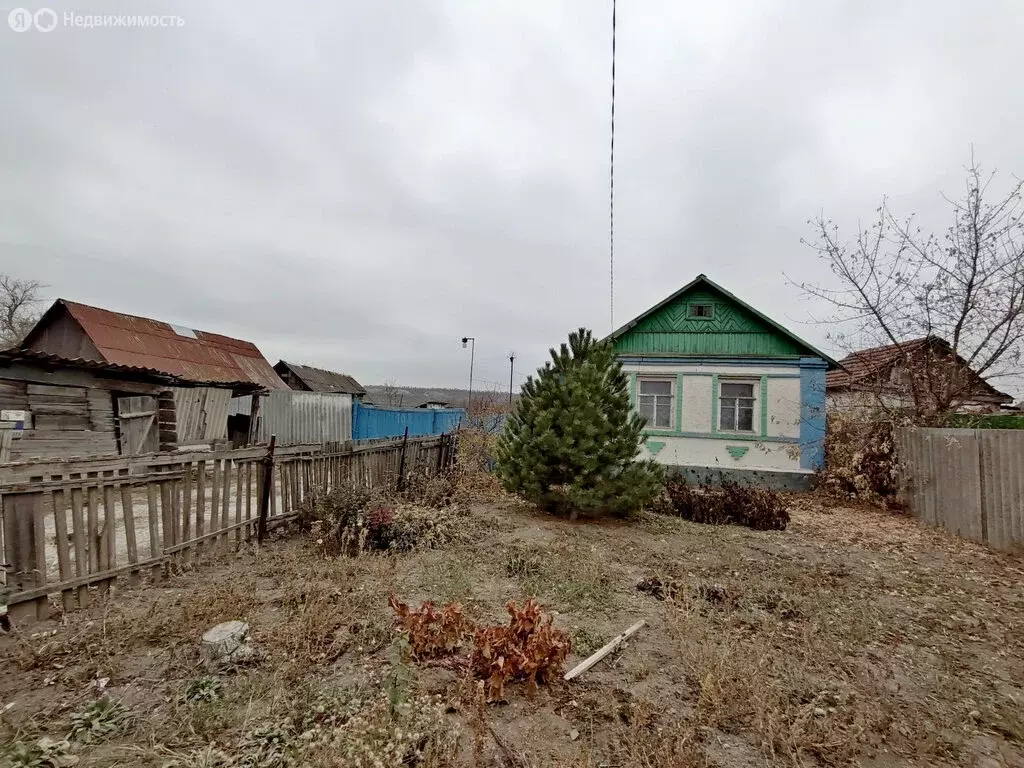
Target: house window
702,311
655,398
736,406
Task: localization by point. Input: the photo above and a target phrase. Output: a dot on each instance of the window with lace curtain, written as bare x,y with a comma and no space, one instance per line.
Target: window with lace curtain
655,400
736,406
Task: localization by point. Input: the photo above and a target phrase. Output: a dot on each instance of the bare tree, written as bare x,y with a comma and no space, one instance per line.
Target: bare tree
965,287
392,394
19,308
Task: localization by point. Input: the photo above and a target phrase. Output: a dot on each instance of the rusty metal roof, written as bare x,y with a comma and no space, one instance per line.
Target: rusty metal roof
191,355
129,372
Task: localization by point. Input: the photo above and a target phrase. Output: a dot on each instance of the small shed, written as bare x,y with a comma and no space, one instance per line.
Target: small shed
79,331
305,378
56,407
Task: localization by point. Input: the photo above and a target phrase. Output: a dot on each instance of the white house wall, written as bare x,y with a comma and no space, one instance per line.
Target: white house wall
708,452
784,407
695,440
696,390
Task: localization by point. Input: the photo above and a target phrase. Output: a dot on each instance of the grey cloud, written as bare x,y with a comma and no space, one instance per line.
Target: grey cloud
358,185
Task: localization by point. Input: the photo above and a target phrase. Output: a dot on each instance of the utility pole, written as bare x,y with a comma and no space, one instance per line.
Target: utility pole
472,353
511,373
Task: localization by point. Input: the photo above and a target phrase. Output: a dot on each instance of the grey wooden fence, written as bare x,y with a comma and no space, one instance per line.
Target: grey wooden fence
968,481
72,528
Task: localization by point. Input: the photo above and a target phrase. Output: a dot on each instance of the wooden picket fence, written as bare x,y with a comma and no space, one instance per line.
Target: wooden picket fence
74,527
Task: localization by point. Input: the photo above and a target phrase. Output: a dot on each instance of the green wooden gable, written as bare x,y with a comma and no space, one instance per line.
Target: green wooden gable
703,319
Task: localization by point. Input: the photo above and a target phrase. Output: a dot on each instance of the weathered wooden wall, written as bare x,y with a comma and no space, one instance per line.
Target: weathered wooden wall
201,415
63,336
968,481
65,420
74,527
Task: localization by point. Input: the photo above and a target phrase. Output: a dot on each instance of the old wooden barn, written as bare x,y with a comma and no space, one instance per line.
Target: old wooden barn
55,407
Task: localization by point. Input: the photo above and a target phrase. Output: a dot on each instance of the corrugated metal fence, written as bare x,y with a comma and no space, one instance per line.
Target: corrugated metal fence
369,422
968,481
300,417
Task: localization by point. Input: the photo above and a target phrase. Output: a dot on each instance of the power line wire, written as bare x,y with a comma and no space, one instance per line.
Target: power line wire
611,194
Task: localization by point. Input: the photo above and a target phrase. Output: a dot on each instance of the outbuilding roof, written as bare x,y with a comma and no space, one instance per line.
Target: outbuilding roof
319,380
113,370
866,365
141,342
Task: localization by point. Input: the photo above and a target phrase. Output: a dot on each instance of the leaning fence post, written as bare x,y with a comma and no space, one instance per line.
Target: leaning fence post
401,461
268,479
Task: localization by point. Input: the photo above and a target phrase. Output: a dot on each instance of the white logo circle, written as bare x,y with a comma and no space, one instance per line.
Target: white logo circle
20,20
45,20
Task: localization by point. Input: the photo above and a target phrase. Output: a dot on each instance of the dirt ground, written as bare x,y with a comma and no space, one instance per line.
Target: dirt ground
855,637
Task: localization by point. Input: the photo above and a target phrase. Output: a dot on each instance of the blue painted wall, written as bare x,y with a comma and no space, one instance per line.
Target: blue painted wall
369,422
812,413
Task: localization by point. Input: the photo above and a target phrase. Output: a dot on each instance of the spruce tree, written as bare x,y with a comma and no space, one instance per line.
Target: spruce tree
572,442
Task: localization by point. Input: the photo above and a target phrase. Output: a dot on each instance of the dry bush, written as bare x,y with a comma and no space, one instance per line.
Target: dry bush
860,459
431,632
759,508
352,519
316,624
473,474
528,649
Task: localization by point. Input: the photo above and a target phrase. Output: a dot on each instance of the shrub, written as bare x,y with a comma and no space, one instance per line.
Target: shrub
759,508
353,519
528,649
572,441
860,459
431,631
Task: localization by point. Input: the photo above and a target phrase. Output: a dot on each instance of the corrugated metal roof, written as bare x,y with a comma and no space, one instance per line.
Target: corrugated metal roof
319,380
135,372
140,342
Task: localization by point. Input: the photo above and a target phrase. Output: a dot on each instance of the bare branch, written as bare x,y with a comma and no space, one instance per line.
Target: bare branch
19,308
895,283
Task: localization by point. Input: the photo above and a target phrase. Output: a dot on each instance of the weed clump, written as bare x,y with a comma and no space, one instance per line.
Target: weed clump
528,649
100,719
432,632
759,508
351,519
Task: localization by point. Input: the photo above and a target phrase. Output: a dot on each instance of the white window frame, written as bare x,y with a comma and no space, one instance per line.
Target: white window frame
755,406
673,394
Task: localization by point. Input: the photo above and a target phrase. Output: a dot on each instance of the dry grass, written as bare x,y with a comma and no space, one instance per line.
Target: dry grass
854,637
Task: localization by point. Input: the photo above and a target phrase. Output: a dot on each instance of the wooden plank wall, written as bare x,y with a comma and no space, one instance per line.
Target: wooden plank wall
72,413
65,420
73,530
202,414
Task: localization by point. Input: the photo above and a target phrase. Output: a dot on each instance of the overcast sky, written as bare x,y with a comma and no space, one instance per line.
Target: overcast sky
357,185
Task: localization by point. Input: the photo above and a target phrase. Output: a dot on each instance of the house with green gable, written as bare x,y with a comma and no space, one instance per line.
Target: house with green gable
727,392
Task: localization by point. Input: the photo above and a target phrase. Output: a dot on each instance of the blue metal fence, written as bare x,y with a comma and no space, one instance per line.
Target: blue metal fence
370,422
